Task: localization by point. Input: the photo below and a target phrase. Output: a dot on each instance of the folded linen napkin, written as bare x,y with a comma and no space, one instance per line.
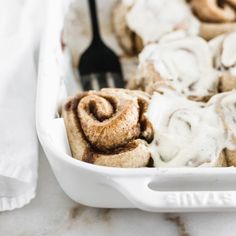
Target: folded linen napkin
20,24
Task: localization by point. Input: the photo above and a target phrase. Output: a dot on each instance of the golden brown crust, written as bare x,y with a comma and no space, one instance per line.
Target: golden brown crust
134,157
230,157
211,30
109,127
232,2
222,161
216,18
210,11
227,82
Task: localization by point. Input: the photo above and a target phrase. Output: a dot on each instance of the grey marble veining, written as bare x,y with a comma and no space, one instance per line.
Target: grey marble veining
52,213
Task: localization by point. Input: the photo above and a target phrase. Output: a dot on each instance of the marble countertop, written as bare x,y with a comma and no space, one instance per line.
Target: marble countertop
52,213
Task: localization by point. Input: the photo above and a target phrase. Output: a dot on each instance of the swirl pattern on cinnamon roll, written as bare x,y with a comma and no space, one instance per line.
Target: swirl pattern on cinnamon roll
109,127
216,16
184,64
224,50
189,133
139,22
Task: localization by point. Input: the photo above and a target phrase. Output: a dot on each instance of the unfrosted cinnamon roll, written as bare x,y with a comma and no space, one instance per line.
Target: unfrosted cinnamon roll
217,16
109,127
192,134
140,22
184,65
224,49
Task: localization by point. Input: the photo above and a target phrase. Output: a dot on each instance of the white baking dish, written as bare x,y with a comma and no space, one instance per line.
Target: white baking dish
151,189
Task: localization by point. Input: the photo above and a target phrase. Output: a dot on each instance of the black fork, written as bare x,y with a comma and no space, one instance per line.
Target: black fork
99,66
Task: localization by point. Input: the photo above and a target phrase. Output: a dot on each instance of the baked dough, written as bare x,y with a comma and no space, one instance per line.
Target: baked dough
217,17
140,22
224,52
109,127
193,134
184,65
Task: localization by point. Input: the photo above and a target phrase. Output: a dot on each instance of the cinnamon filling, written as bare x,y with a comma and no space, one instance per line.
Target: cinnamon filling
221,3
105,116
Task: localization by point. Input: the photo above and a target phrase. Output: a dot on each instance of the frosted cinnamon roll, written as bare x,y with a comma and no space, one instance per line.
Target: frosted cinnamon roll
216,16
189,133
184,65
224,49
225,106
140,22
109,127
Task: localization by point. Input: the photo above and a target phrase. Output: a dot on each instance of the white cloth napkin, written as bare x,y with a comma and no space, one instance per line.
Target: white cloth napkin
20,27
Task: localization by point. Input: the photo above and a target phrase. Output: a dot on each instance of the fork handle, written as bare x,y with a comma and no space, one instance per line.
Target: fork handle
94,20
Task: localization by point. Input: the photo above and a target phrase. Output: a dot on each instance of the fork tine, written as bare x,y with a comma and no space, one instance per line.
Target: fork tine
102,80
86,82
118,80
94,82
99,59
110,80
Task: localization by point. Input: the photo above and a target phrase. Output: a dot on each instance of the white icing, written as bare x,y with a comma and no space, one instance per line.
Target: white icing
186,64
232,71
228,57
188,133
224,50
179,34
128,3
151,19
225,104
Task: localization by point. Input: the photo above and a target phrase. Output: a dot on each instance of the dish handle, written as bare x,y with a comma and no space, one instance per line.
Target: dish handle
139,192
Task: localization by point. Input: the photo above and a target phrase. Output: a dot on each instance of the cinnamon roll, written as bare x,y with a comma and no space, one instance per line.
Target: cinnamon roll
109,127
193,134
224,50
225,106
184,65
216,16
140,22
